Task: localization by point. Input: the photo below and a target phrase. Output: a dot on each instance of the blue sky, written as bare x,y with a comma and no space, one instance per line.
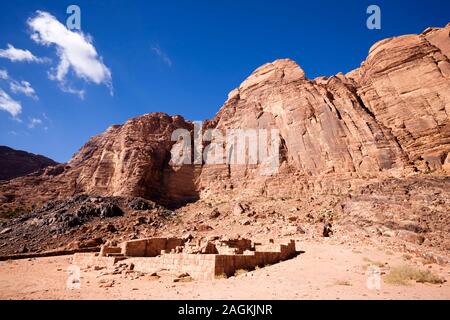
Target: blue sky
178,57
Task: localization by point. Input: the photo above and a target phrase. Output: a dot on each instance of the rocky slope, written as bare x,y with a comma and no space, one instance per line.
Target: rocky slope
357,137
16,163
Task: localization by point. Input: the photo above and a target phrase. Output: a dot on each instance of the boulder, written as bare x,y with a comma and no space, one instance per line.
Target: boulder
215,213
410,236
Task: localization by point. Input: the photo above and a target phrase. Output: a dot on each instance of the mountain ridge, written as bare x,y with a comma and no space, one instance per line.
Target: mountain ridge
387,118
16,163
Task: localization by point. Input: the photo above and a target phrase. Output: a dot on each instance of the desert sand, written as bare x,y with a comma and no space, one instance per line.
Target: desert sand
326,270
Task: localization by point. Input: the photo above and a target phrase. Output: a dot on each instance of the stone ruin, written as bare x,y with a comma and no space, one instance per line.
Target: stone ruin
202,259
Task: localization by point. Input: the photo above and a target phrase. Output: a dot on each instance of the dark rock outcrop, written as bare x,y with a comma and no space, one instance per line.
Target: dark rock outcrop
16,163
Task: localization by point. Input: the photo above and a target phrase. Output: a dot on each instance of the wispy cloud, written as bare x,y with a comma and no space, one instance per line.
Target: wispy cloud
34,122
162,55
4,74
74,49
18,55
68,89
23,87
10,105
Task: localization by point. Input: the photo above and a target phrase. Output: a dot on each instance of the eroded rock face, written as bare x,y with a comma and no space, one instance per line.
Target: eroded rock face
129,159
324,128
405,84
388,118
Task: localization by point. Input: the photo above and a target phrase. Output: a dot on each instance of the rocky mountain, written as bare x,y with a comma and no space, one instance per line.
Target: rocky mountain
387,119
390,117
16,163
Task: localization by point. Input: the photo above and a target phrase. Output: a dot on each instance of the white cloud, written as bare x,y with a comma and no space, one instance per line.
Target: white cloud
9,105
23,87
34,122
79,92
16,55
4,74
74,49
16,87
44,115
162,55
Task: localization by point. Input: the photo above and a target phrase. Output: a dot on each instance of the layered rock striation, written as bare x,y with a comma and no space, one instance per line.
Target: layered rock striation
388,118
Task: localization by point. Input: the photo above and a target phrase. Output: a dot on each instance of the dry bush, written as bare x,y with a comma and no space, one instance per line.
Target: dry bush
370,262
407,256
403,274
240,272
221,276
343,283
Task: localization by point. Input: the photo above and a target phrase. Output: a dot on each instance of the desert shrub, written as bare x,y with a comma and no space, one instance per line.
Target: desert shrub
370,262
343,283
407,256
240,272
401,275
221,276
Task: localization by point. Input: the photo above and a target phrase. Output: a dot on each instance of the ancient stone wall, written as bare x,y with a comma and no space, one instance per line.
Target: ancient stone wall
209,266
198,266
87,260
149,247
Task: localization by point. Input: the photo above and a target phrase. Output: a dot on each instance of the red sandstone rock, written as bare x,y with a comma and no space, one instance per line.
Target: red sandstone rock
385,119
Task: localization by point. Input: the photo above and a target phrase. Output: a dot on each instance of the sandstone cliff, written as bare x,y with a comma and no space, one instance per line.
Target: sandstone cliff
388,118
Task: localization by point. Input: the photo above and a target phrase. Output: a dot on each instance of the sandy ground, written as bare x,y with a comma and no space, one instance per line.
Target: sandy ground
324,271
